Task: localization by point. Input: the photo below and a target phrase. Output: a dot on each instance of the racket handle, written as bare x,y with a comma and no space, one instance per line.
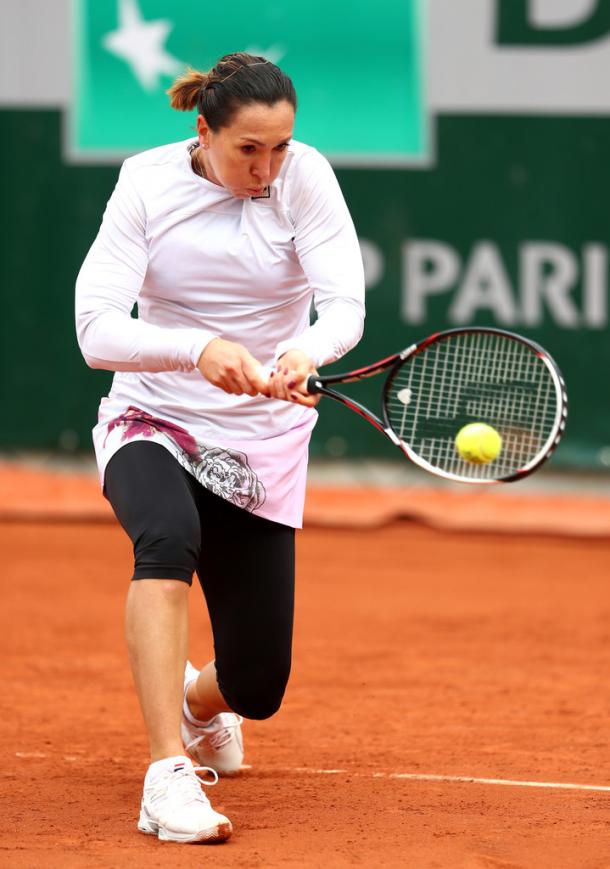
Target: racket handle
264,372
310,386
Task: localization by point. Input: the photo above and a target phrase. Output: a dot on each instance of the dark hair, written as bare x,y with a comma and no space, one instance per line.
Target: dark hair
237,80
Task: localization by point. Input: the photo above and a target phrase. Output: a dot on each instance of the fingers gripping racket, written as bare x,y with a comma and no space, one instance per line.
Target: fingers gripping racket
436,386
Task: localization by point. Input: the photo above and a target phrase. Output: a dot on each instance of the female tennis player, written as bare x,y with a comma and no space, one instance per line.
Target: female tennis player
223,241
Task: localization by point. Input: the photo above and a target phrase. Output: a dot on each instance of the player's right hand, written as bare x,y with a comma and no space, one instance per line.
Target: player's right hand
230,367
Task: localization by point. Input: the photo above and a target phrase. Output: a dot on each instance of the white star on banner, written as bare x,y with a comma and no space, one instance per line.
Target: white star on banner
142,45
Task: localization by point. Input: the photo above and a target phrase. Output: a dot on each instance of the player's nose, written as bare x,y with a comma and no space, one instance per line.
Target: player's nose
261,169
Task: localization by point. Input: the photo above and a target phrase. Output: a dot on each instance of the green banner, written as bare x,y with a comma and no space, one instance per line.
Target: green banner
504,223
510,229
357,71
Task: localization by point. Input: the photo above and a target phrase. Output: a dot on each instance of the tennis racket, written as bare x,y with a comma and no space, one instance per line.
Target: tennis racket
436,386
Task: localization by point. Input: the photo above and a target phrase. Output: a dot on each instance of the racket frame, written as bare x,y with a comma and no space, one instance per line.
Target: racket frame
322,386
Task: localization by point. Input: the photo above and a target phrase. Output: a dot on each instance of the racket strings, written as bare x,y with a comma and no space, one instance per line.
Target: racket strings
474,377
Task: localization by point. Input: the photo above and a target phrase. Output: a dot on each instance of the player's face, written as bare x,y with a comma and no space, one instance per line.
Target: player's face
247,156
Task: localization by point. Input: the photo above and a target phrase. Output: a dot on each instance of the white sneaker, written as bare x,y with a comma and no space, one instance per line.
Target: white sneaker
174,807
217,743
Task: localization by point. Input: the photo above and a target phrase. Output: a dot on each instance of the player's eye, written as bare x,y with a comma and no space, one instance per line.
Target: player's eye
248,149
282,147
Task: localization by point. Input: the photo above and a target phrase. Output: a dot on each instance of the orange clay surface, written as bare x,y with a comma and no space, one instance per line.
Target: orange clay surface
417,651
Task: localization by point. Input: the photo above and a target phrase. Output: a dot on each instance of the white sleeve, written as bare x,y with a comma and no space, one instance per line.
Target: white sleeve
327,247
107,288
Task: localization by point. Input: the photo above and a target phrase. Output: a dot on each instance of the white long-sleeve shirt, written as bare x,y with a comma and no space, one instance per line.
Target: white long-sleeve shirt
200,264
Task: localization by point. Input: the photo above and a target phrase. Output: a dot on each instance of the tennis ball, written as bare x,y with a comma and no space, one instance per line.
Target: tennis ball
478,443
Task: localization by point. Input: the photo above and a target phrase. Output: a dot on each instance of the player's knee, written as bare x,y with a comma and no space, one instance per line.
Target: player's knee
167,549
170,590
257,696
257,707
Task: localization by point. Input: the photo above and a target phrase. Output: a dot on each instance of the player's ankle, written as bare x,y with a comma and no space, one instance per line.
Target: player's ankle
164,750
199,712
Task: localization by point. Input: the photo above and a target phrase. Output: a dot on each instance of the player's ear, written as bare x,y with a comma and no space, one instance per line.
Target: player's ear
203,131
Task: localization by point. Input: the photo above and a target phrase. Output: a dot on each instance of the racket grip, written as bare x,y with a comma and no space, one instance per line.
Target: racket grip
264,372
310,386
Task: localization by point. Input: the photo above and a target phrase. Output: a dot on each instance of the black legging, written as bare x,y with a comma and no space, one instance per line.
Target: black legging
245,565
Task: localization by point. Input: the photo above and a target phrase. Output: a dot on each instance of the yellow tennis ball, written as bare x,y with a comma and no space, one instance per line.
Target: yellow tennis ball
478,443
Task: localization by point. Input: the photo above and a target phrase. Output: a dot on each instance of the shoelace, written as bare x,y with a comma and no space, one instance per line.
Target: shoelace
190,785
219,737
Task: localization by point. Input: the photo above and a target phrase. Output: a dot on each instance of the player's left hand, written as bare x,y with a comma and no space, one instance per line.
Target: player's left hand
288,380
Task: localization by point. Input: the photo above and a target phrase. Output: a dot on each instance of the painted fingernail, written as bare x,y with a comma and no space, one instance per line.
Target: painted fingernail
285,371
292,384
293,396
272,374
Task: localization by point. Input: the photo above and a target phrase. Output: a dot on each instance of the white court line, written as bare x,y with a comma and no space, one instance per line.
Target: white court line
408,776
462,779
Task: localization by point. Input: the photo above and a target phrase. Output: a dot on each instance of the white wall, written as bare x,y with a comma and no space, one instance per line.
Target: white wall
34,52
467,71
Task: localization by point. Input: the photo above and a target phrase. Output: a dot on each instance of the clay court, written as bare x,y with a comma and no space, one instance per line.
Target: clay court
420,652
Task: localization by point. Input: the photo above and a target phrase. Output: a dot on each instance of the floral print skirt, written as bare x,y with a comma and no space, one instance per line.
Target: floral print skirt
265,476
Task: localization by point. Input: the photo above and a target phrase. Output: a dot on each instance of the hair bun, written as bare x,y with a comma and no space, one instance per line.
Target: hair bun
184,93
